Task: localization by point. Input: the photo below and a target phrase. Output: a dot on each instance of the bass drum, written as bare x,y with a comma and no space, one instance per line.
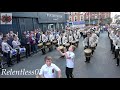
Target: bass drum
88,52
40,45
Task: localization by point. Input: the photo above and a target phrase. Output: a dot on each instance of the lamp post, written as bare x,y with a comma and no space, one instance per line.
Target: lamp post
89,18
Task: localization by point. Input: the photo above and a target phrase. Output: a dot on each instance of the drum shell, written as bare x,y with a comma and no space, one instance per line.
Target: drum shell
40,46
88,54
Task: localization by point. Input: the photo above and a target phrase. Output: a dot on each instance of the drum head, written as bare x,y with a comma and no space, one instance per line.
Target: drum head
87,50
67,44
40,44
48,44
60,47
73,41
54,41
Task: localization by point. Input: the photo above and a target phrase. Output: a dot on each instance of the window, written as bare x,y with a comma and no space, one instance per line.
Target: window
75,18
81,18
70,19
96,17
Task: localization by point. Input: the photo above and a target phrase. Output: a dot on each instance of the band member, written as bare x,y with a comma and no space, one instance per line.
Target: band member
70,56
116,43
95,37
78,33
48,69
70,38
44,40
76,38
88,43
84,34
64,39
16,45
112,37
6,51
60,40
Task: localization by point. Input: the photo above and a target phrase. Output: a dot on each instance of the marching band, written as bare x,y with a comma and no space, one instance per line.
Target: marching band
12,46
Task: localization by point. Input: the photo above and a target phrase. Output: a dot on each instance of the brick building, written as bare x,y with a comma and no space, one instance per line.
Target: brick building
97,17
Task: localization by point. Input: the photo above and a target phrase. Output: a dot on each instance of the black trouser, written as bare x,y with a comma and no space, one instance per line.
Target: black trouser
81,34
116,55
111,44
84,36
113,48
7,56
43,49
18,55
69,72
28,50
77,43
87,59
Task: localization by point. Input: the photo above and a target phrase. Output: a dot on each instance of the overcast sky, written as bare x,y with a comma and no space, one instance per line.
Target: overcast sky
114,13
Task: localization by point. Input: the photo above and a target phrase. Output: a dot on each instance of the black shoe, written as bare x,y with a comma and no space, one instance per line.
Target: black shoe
88,61
117,65
114,58
9,65
43,53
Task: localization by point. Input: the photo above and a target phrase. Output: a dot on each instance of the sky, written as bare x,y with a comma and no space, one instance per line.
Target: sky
114,13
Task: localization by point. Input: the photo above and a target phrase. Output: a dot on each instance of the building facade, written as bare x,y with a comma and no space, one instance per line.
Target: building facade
97,17
27,21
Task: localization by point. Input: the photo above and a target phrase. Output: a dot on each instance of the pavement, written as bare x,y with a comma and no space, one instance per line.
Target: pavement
102,64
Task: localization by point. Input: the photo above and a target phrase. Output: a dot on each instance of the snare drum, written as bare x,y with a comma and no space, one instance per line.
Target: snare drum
40,45
67,45
55,41
61,48
48,44
88,52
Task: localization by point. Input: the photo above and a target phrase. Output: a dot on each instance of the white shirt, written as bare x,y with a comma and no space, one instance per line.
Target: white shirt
70,61
70,38
44,38
5,47
49,71
16,44
64,40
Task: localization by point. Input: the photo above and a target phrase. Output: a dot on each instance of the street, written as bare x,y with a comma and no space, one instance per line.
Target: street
102,64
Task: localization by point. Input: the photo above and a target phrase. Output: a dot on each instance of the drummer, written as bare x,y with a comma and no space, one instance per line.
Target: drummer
88,43
6,50
60,40
16,45
116,43
51,38
64,39
76,38
44,40
70,39
95,37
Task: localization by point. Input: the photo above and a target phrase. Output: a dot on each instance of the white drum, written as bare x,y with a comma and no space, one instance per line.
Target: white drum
22,50
13,52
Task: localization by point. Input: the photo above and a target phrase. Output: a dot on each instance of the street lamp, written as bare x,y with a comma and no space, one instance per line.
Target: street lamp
98,18
89,18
